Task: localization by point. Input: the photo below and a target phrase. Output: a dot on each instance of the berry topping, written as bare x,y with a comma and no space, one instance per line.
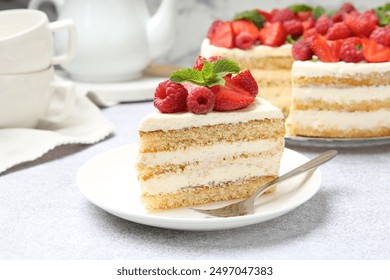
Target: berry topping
231,96
170,97
346,8
361,25
282,15
293,27
273,34
222,35
246,81
381,35
200,61
326,51
301,50
351,50
245,26
244,41
323,24
374,52
213,28
201,100
338,31
267,16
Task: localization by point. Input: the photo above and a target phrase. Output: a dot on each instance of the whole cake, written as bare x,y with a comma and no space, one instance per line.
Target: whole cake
261,41
341,79
211,138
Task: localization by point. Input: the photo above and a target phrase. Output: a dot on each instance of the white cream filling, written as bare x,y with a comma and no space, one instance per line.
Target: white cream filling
207,50
213,174
341,95
336,69
258,110
341,120
210,153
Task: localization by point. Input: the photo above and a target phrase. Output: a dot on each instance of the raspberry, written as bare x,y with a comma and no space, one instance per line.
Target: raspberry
246,81
349,50
293,27
170,97
244,41
200,61
361,25
323,24
301,50
347,8
282,15
201,100
338,31
337,17
381,36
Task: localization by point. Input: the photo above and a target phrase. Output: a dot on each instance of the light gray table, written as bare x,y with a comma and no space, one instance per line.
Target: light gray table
44,216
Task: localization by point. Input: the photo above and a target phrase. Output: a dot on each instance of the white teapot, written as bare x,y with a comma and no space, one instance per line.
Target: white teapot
116,39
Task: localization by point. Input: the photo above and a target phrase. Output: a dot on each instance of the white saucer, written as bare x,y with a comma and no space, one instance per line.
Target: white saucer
109,181
109,94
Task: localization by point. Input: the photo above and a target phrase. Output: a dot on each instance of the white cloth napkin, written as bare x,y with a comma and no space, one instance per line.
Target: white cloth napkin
85,124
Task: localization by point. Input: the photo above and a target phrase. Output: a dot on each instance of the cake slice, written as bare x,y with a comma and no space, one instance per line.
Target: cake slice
225,150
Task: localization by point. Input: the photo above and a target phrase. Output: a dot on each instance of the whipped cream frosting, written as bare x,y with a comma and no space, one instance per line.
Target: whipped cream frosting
207,50
336,69
258,110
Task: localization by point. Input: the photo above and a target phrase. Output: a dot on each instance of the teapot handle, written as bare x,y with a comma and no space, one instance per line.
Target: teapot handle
36,4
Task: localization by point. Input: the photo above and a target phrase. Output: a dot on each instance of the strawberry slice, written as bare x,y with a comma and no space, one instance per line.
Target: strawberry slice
374,52
246,81
223,35
245,26
273,34
267,16
231,96
326,51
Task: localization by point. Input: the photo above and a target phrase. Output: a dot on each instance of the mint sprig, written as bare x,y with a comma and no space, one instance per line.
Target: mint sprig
211,74
383,13
318,11
300,8
251,15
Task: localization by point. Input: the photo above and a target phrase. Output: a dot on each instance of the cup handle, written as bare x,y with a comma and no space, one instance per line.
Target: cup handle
68,24
67,89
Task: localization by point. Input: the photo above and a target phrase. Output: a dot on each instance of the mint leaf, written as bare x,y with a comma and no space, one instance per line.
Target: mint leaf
251,15
188,75
222,67
318,11
300,8
291,40
383,14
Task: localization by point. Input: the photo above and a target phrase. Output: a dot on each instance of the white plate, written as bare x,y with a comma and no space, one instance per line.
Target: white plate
109,181
336,142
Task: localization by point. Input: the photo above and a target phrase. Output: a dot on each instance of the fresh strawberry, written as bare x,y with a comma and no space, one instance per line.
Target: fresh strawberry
244,41
200,61
338,31
347,8
201,100
301,50
374,52
273,34
213,27
381,36
323,24
337,17
231,97
246,81
309,23
310,34
170,97
361,25
326,51
293,27
267,16
223,35
350,50
282,15
243,25
303,16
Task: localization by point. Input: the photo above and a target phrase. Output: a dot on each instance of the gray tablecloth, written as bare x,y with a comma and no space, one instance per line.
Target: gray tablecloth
44,216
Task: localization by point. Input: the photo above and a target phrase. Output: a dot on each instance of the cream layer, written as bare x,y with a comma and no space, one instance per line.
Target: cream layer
341,95
258,110
340,120
213,173
207,50
336,69
210,153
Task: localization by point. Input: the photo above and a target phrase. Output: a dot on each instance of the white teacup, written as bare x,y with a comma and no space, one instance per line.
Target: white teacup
26,41
26,99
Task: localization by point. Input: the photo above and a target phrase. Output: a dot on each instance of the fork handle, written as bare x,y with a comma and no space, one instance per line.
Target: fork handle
315,162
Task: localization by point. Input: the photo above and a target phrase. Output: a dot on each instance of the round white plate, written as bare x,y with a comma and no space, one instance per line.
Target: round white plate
336,142
109,181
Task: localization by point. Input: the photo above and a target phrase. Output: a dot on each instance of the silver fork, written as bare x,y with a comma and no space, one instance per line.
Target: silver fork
246,206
